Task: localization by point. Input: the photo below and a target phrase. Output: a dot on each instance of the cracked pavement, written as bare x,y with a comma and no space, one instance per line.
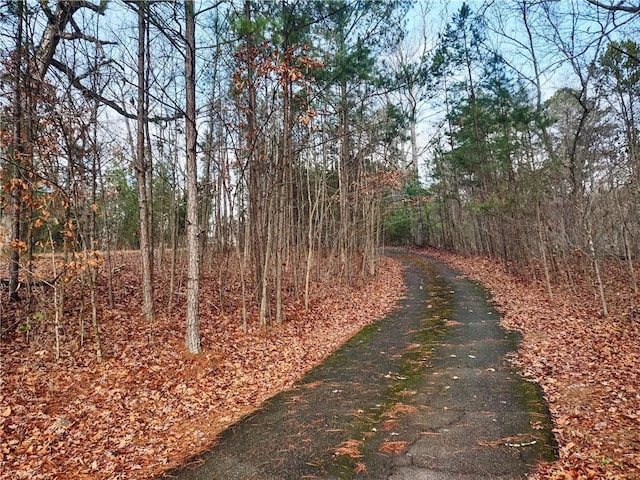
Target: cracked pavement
424,394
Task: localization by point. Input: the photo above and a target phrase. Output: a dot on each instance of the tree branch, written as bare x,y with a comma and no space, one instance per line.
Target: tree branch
57,22
88,38
77,34
90,93
54,31
617,7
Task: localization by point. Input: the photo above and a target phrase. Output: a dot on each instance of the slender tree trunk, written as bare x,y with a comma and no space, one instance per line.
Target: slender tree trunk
419,227
629,256
257,205
107,241
543,250
148,164
279,232
313,207
93,239
596,268
18,150
142,172
192,340
282,182
14,258
173,219
57,301
244,239
264,281
243,289
93,280
207,186
345,179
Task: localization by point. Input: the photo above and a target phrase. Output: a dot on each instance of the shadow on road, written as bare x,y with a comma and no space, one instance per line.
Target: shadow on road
424,394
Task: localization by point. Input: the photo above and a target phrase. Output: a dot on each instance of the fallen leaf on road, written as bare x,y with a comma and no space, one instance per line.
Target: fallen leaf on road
393,447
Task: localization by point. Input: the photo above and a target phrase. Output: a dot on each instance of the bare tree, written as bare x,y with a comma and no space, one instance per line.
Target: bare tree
192,339
143,170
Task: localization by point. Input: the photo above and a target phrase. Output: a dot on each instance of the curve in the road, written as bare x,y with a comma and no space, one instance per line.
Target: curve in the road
424,394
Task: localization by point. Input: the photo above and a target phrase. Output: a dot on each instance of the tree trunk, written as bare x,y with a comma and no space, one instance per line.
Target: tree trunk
264,281
257,205
142,171
543,250
18,147
344,183
629,256
192,339
596,268
207,186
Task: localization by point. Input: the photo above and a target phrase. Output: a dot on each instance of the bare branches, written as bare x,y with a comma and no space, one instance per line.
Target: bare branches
621,6
54,31
78,34
88,92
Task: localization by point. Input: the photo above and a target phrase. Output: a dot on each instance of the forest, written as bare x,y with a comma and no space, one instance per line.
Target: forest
204,186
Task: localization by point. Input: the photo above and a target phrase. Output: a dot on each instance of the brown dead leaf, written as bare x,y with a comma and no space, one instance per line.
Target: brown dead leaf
349,448
389,425
393,448
400,408
360,467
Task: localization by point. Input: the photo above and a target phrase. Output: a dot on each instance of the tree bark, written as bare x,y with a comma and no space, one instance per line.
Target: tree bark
18,150
192,339
142,172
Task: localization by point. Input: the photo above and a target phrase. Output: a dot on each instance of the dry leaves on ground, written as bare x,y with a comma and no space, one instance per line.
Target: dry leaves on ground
349,448
393,448
150,405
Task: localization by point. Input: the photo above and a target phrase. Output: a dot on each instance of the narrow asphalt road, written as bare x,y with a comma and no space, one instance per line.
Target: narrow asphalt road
424,394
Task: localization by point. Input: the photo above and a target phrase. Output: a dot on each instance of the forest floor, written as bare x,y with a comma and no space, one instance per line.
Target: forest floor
149,404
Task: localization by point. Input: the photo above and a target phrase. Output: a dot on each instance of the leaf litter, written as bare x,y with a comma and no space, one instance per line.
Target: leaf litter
150,405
